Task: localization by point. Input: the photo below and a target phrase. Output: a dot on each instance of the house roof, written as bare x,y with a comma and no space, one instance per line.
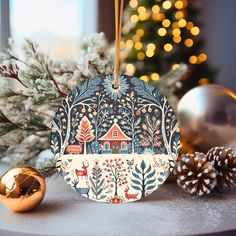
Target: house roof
121,136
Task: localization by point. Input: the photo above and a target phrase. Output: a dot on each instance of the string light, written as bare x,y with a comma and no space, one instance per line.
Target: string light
134,19
177,39
179,15
150,53
195,31
133,3
182,23
143,16
168,47
193,59
176,32
140,56
129,43
166,23
175,25
166,5
185,3
155,76
162,31
138,45
130,68
188,43
202,57
178,26
151,46
189,25
179,4
155,9
158,16
141,10
140,32
145,78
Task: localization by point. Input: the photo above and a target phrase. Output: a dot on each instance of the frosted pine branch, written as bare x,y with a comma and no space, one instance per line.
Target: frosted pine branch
40,84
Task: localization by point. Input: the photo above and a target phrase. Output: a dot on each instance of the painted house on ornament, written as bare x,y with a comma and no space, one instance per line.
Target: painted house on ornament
115,141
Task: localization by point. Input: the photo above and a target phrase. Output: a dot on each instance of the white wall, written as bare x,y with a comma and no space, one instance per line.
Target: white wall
219,19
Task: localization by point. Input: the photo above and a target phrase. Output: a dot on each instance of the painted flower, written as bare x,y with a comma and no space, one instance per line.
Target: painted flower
115,93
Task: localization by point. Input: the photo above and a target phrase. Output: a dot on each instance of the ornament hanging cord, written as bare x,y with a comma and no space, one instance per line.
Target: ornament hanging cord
119,4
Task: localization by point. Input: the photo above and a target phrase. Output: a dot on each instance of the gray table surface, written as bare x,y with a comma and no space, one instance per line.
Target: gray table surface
168,211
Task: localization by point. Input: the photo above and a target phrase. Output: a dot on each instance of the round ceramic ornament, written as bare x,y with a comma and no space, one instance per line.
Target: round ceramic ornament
115,144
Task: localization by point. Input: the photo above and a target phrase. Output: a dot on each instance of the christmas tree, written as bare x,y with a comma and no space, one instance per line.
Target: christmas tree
160,34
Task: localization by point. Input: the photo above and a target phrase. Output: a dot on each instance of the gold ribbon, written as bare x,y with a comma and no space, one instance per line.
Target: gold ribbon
119,5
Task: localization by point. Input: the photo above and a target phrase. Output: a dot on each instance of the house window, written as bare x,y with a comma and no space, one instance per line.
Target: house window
107,146
124,146
114,133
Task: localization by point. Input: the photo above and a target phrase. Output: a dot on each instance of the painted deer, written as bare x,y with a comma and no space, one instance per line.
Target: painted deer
84,190
130,195
74,149
82,172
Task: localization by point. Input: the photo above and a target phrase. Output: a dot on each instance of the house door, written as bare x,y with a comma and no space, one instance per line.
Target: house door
115,148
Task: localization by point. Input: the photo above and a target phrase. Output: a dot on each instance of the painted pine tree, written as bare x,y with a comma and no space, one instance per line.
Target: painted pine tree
143,178
98,185
85,132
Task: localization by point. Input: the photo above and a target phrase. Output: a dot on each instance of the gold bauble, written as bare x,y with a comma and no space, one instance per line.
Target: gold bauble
22,188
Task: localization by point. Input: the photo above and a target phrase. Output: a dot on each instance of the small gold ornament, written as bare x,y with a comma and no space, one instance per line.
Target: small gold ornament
22,188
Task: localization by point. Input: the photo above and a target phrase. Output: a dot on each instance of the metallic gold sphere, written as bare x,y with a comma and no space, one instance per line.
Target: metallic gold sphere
22,188
207,117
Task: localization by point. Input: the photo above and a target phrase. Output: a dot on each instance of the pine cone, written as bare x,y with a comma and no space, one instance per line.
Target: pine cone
195,175
224,161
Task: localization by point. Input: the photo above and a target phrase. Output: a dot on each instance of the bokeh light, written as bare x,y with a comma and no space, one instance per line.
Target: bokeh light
162,31
168,47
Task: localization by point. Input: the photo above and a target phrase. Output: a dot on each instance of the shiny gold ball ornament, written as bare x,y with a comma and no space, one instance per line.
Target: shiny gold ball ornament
22,188
207,117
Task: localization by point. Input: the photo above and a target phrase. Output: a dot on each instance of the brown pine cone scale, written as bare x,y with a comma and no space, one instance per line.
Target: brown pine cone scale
224,161
195,175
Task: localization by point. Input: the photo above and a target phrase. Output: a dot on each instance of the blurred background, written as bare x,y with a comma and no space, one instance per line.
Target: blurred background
59,26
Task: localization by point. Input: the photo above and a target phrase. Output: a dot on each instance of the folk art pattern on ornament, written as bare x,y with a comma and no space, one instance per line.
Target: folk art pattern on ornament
115,145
